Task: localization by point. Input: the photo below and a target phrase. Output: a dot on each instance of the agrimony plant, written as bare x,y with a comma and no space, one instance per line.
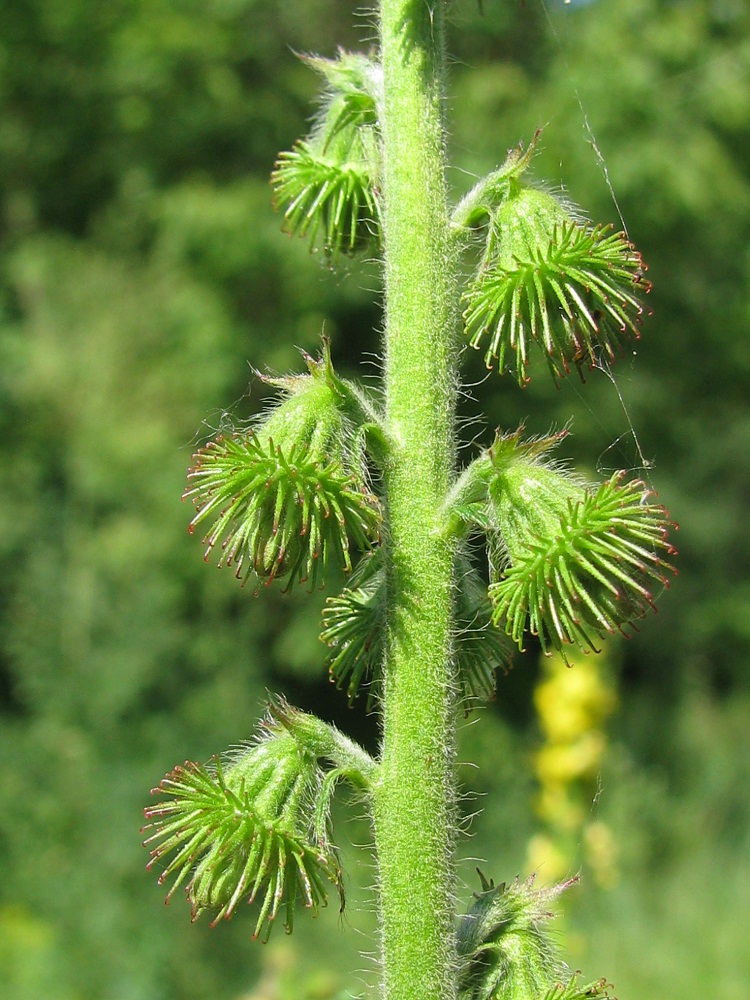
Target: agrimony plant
328,477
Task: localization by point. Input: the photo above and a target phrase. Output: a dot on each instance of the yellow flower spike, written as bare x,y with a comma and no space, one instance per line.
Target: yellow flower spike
572,762
555,806
601,854
572,700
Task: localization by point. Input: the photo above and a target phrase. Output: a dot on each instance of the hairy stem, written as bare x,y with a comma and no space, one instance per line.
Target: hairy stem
414,798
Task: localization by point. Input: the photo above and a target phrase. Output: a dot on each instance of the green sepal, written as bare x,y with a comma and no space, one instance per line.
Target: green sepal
465,508
569,562
331,414
473,500
480,649
478,206
574,295
245,830
507,951
325,742
527,492
311,410
353,91
281,515
573,990
353,628
333,198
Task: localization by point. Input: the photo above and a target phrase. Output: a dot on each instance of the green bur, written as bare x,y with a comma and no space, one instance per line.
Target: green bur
507,951
581,562
547,277
287,498
246,831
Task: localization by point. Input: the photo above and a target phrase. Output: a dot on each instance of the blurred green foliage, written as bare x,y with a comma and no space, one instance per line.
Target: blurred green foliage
141,274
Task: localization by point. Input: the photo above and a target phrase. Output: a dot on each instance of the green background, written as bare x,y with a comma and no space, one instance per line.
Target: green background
142,278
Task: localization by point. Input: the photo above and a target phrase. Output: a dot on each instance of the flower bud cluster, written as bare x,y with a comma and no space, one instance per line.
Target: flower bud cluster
547,277
288,498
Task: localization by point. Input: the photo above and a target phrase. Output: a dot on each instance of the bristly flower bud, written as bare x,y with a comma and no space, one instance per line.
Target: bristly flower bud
328,182
548,276
581,561
354,630
507,951
245,830
288,498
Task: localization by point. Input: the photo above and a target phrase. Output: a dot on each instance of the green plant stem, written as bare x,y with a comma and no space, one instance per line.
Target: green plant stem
324,740
414,798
